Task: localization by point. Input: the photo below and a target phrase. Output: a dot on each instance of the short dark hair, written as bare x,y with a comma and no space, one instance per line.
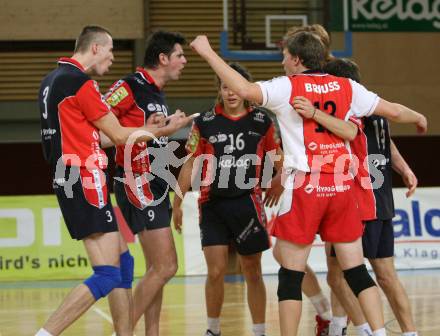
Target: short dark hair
317,29
308,47
242,71
88,35
161,42
343,67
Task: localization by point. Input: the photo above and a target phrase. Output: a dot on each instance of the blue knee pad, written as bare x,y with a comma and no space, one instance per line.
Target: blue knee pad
103,280
127,270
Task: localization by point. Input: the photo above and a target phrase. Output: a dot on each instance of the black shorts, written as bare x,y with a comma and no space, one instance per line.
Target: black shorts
85,205
377,240
239,220
154,212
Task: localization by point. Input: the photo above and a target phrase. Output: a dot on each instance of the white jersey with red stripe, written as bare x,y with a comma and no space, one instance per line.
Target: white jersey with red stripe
307,145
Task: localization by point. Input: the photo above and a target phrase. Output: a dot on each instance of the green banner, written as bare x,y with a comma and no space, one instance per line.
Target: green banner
385,15
35,243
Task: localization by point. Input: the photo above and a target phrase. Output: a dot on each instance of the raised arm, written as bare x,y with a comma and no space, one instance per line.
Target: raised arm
242,87
119,135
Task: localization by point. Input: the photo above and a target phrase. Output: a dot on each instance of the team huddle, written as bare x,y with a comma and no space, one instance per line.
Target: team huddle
329,170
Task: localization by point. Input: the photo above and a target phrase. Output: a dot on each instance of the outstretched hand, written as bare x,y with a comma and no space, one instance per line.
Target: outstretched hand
178,120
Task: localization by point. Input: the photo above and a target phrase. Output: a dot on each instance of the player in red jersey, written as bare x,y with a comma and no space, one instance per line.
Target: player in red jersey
234,139
377,210
326,203
144,201
72,114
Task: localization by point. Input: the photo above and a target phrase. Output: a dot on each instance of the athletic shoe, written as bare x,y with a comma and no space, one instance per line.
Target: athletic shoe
210,333
321,326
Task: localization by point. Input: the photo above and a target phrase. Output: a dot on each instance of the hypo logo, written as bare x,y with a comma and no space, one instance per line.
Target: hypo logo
313,146
309,188
415,223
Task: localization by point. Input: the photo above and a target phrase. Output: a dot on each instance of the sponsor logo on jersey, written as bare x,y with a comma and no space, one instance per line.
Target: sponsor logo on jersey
193,140
331,146
208,116
218,138
325,88
153,107
232,162
140,81
48,131
254,133
309,188
117,96
259,116
332,189
312,146
377,163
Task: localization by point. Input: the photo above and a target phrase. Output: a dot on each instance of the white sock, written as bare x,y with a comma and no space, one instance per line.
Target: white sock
380,332
410,333
259,329
364,330
214,325
337,325
43,332
322,306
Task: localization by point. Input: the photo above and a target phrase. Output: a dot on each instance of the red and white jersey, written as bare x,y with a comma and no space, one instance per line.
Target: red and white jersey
70,102
361,172
307,145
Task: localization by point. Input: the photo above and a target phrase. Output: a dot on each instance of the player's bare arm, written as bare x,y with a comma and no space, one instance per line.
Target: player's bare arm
403,169
401,114
184,182
275,189
346,130
119,135
242,87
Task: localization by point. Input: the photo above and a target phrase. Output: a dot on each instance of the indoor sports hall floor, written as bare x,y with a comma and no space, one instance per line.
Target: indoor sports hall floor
24,307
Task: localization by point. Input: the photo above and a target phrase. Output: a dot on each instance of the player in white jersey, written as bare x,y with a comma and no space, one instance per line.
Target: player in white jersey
298,118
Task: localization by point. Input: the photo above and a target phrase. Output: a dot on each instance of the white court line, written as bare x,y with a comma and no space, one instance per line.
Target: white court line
105,316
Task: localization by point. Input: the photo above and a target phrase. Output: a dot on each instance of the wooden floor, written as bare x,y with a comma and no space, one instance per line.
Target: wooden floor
24,307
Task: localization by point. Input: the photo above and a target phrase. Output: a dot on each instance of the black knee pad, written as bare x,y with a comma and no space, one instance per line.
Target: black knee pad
358,279
289,284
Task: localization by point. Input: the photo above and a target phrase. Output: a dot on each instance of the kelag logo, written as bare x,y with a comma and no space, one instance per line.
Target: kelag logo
416,223
393,15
